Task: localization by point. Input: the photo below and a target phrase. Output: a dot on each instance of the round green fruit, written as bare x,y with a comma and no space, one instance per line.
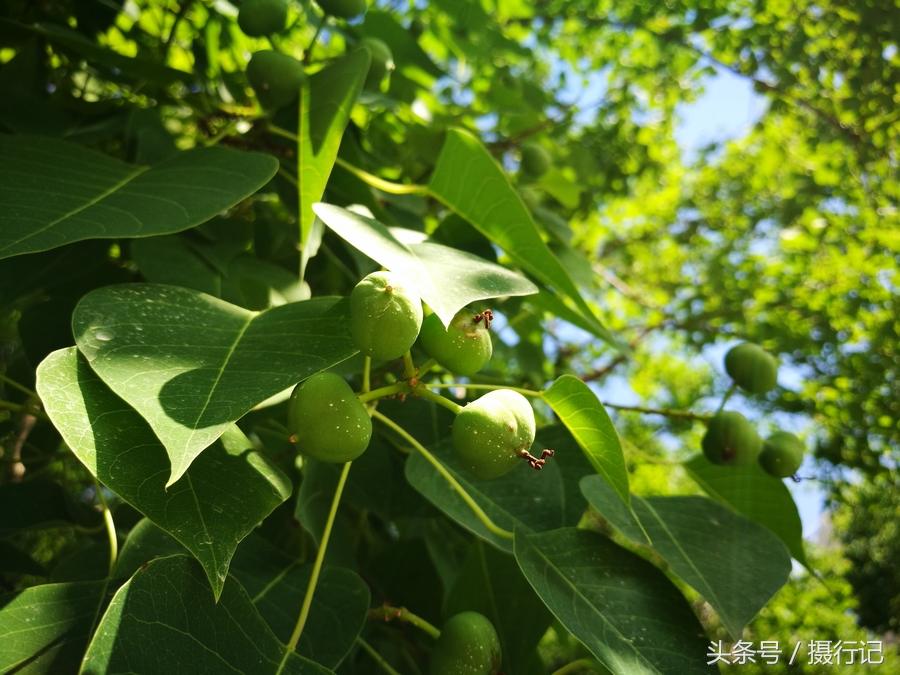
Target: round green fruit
342,9
752,368
259,18
731,440
463,348
385,316
536,161
468,645
276,78
782,454
382,62
417,27
490,433
326,421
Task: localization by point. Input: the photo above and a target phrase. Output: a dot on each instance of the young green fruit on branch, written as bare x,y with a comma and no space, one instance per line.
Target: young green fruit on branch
731,440
258,18
464,347
752,368
342,9
782,454
326,421
468,645
490,434
276,78
536,161
385,316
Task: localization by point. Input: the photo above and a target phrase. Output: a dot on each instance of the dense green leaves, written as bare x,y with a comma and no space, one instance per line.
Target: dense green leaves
446,278
216,503
753,493
621,607
733,562
54,193
146,628
584,416
192,365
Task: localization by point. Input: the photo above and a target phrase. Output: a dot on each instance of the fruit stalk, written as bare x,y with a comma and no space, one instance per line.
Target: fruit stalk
388,613
437,398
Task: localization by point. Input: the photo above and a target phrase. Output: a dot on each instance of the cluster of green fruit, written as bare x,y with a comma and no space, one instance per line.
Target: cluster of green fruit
490,435
731,440
275,77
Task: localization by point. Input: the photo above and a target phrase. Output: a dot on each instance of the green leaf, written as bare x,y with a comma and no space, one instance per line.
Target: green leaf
192,365
46,628
146,541
16,561
468,180
225,493
561,188
326,100
584,416
733,562
446,279
320,480
404,48
165,617
53,192
753,493
277,584
620,606
492,584
531,500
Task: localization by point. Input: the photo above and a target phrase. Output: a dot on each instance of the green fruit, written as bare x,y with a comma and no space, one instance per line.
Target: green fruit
536,161
276,78
326,421
385,317
343,9
417,27
468,645
782,454
259,18
490,433
752,367
731,440
463,348
382,62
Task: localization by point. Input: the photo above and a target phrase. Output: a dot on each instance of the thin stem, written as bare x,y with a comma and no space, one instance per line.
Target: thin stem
437,398
317,565
110,528
731,390
227,130
307,55
28,409
466,385
409,368
185,6
388,613
278,131
288,177
398,388
380,183
575,665
425,367
375,655
666,412
12,383
477,510
367,374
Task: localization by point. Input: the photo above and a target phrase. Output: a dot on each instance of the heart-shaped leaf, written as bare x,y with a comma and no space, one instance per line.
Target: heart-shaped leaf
733,562
225,493
621,607
584,416
165,617
753,493
192,365
53,192
51,625
446,278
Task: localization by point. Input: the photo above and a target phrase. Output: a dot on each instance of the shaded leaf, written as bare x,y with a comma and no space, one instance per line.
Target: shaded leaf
147,630
446,279
16,561
277,584
192,365
753,493
584,416
53,192
46,628
226,492
733,562
145,542
620,606
38,504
